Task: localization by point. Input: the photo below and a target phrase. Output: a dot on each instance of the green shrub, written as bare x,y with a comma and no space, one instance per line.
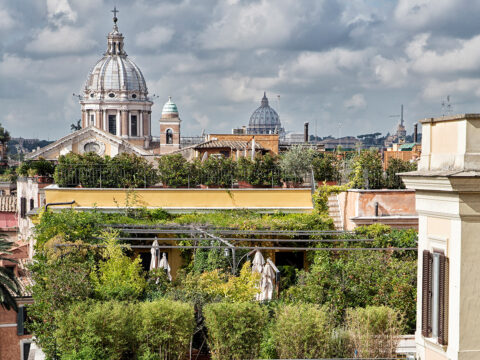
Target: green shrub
118,277
296,162
262,171
234,329
39,167
367,170
374,331
174,170
166,328
302,331
325,167
92,171
218,171
98,330
395,166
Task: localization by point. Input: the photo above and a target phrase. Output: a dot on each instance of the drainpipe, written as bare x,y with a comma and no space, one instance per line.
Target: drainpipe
376,209
59,203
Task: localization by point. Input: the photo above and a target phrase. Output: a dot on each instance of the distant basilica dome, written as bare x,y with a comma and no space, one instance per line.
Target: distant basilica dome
265,120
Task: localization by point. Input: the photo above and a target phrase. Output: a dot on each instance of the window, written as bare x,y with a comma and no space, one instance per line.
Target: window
92,119
169,135
112,124
133,125
32,204
134,96
435,296
23,207
111,95
21,319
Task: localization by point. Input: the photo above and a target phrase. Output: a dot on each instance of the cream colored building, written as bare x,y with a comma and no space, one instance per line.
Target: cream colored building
447,186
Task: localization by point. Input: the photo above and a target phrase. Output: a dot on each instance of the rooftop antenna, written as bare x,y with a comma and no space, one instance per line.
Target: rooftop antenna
447,106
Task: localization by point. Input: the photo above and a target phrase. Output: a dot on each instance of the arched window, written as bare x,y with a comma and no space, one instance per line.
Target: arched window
169,134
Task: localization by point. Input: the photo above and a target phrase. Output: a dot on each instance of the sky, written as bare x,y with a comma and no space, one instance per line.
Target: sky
344,66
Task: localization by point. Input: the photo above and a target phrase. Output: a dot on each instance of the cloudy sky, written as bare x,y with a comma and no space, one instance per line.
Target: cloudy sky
344,65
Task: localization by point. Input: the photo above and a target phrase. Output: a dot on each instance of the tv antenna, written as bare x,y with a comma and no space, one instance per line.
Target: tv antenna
447,107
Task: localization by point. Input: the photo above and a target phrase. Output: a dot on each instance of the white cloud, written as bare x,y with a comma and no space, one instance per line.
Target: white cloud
65,40
356,102
422,13
155,37
464,58
264,23
60,12
391,73
6,21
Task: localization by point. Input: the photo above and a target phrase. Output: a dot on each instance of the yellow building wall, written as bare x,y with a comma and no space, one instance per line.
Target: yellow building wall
188,199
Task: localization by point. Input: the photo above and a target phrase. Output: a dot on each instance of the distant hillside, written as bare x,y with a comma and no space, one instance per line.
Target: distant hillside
22,146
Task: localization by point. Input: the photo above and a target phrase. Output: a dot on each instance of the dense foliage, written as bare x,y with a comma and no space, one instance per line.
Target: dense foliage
40,167
351,279
93,171
235,330
297,162
158,330
262,171
303,331
373,331
367,170
395,166
122,308
326,167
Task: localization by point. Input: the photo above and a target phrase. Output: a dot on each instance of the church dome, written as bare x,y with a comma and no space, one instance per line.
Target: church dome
170,107
115,75
264,120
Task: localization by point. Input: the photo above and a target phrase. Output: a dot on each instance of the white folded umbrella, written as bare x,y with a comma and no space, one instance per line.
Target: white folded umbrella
258,262
163,264
266,287
154,251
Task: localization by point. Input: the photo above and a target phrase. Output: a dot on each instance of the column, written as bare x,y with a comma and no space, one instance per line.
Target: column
83,118
140,121
124,130
98,119
104,112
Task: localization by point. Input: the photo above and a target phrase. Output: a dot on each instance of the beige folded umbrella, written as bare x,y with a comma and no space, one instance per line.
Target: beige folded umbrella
163,264
154,251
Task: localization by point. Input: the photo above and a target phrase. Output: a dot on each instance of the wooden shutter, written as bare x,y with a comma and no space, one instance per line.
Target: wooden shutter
23,207
427,293
20,321
443,301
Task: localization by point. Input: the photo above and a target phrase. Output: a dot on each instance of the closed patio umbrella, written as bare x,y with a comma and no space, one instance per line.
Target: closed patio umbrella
163,264
266,287
154,252
258,262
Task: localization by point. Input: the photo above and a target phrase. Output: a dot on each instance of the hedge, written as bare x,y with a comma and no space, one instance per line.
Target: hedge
374,331
235,329
119,330
302,331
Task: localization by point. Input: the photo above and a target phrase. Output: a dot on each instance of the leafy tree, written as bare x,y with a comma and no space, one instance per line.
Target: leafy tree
262,171
9,287
218,171
59,282
117,277
395,166
325,167
297,162
367,170
174,170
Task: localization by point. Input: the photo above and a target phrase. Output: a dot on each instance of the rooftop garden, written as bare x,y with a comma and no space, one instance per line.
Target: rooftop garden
100,303
293,168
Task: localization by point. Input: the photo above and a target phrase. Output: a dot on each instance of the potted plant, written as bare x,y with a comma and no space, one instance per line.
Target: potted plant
325,169
296,163
174,171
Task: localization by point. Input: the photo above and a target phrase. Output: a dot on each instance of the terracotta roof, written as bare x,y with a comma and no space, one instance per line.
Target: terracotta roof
232,144
8,203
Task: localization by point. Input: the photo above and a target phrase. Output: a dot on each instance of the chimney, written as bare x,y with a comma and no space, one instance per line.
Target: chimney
305,132
415,133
